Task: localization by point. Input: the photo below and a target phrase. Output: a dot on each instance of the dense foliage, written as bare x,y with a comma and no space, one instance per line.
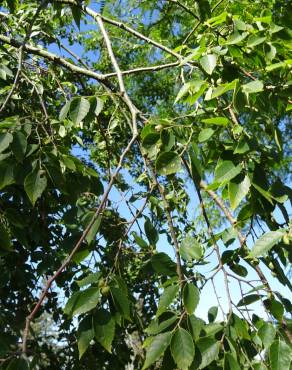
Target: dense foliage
144,172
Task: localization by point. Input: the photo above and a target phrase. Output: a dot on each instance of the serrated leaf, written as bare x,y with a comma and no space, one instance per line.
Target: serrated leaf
79,107
163,264
168,163
280,355
156,348
85,334
191,297
237,191
266,242
253,87
226,171
208,63
190,249
167,298
104,328
5,140
182,348
34,185
82,301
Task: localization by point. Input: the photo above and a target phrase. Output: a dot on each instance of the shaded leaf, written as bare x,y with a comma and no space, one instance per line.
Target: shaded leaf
191,297
182,348
84,335
104,328
82,301
167,298
34,185
168,163
156,348
5,140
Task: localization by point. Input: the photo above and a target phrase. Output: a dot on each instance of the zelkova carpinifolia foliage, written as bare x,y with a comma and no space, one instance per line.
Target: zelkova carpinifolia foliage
144,184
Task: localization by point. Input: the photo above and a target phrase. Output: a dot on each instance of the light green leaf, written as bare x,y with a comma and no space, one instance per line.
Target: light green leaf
82,301
226,171
79,107
205,134
280,355
209,349
221,121
5,140
266,242
253,87
90,279
85,335
236,38
182,348
255,40
151,232
190,249
163,264
237,191
208,62
104,328
191,297
267,334
156,348
222,89
167,298
159,325
191,87
19,145
34,185
168,163
230,363
93,230
64,111
264,193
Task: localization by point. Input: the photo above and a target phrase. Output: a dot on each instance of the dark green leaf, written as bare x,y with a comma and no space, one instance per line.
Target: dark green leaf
226,171
156,348
168,163
267,334
104,328
85,335
212,313
5,140
191,297
167,298
151,233
249,299
163,264
34,184
280,355
209,349
82,301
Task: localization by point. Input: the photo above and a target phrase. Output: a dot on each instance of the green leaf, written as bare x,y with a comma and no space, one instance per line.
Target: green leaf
159,325
266,242
167,298
267,333
191,249
93,230
182,348
209,349
255,40
205,134
5,241
34,185
121,301
79,107
280,355
64,111
253,87
6,174
5,140
237,191
104,328
212,313
226,171
142,244
222,89
249,299
90,279
82,301
236,38
151,232
191,297
85,335
208,63
19,145
18,364
163,264
168,163
195,326
264,193
192,88
230,363
156,348
221,121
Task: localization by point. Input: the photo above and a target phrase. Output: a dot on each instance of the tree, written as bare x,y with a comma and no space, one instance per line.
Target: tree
144,156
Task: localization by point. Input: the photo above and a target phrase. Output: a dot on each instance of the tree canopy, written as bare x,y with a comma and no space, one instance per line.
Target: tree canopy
144,171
